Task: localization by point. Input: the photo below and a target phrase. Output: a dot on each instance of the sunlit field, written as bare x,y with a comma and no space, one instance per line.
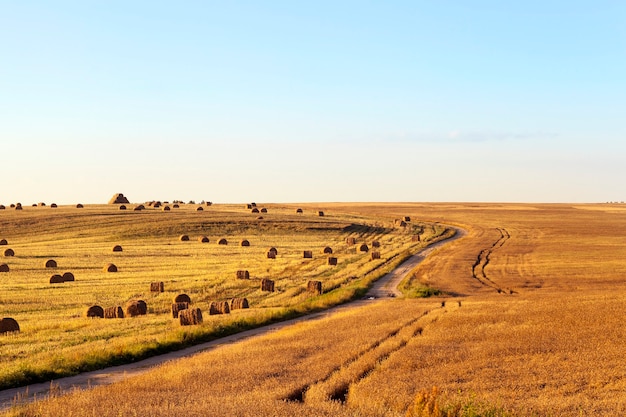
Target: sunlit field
527,320
58,339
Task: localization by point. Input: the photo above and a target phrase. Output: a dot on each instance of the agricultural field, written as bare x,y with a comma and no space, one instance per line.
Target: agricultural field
57,338
522,316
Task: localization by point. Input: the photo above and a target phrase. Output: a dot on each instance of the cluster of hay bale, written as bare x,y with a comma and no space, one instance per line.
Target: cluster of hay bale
314,287
116,312
9,325
118,199
136,308
59,279
267,285
307,254
238,303
157,286
178,307
190,317
243,274
219,307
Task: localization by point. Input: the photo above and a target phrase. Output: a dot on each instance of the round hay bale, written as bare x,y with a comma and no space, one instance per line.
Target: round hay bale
238,303
245,242
199,208
177,308
116,312
243,274
3,242
4,268
332,261
260,218
175,206
320,213
267,285
18,207
9,325
68,277
12,205
122,207
157,286
110,268
351,241
9,252
299,211
118,199
95,311
273,249
255,210
203,239
2,207
117,248
263,210
166,208
42,204
136,308
157,204
51,263
56,279
184,238
327,250
222,241
314,287
79,205
376,244
363,248
53,205
190,316
182,298
139,207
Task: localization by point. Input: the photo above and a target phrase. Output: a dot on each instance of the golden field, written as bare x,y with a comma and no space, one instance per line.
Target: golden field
530,323
56,338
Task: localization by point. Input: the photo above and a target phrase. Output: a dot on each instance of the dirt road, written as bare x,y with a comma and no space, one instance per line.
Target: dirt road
384,287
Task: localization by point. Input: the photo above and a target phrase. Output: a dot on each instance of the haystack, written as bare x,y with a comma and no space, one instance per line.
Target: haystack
4,268
182,298
189,317
136,308
241,274
203,239
177,308
3,242
327,250
9,325
56,279
51,263
9,252
245,242
308,254
314,286
110,268
184,238
68,277
117,248
222,241
332,261
95,311
116,312
267,285
375,255
157,286
238,303
118,199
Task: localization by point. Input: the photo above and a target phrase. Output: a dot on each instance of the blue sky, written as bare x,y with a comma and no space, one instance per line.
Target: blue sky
282,101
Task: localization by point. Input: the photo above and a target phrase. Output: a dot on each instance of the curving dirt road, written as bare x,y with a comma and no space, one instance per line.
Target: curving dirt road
387,286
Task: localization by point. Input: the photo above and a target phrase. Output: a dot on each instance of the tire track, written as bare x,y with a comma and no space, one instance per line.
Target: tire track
484,257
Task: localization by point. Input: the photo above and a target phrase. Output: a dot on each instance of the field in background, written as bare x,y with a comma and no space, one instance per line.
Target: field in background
57,339
530,323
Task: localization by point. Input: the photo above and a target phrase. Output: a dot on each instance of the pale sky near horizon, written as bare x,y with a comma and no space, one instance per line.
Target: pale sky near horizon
282,101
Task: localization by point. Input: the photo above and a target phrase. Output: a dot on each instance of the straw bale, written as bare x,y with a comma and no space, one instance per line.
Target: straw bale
9,252
271,255
110,268
222,241
415,238
203,239
177,308
136,308
18,207
314,286
249,206
363,248
182,298
376,244
2,207
122,207
273,249
351,241
255,210
51,263
375,255
68,277
263,210
308,254
116,312
56,279
190,317
157,286
79,205
242,274
260,218
332,260
327,250
320,213
223,307
117,248
166,208
199,208
3,242
245,242
9,325
175,206
139,207
184,238
299,211
4,268
41,204
53,205
406,219
253,204
118,199
95,311
267,285
239,303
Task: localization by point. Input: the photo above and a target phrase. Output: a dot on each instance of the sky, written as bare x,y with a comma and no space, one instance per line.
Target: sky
321,101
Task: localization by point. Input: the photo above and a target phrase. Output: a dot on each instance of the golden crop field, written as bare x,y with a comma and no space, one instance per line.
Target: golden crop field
529,323
58,339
